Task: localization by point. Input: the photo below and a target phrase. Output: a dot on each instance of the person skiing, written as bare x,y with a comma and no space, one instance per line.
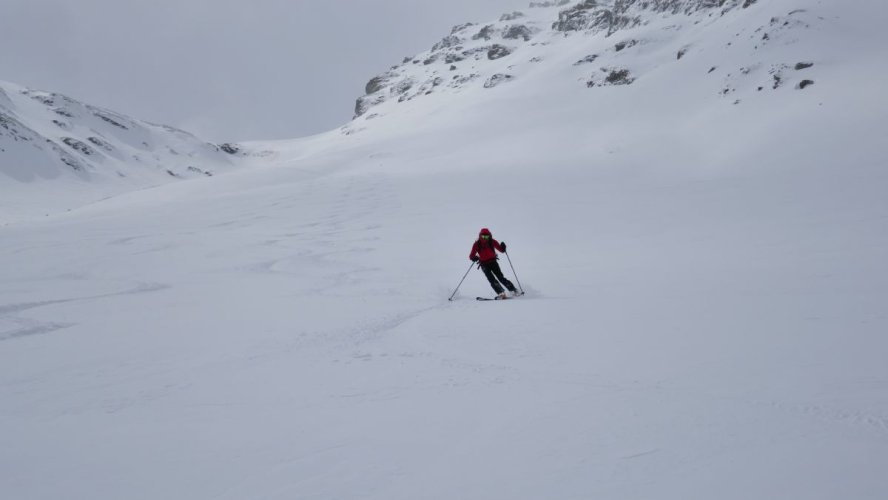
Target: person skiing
484,252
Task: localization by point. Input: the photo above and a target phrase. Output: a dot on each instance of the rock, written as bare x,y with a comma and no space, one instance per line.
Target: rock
625,45
486,33
72,162
590,15
453,57
588,59
460,80
229,148
619,77
803,65
446,43
11,127
518,31
199,171
80,147
805,83
476,52
497,79
403,86
622,14
100,143
107,118
778,80
615,76
498,52
575,18
374,85
460,27
512,16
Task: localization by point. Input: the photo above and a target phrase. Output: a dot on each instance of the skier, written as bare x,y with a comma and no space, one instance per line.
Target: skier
484,252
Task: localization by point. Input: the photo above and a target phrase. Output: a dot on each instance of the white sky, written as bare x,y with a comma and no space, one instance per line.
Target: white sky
223,69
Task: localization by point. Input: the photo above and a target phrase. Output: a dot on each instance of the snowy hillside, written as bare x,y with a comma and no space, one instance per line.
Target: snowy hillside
56,152
704,262
631,39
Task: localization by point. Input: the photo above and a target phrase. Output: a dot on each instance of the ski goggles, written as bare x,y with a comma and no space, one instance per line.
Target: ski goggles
485,236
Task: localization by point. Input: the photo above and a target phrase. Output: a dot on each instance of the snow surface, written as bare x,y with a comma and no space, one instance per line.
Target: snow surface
705,315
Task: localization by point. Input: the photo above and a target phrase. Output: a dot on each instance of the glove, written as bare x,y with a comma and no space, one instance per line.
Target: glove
474,258
503,244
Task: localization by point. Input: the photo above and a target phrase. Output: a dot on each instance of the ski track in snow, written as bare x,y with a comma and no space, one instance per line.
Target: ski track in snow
9,312
874,424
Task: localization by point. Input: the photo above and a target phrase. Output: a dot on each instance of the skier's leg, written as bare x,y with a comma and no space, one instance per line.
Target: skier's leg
502,279
488,272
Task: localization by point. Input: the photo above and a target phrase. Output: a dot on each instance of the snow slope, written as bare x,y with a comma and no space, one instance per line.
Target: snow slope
57,153
705,312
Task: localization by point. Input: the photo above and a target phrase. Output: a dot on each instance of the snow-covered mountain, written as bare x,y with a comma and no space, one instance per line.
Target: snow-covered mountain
596,43
90,152
704,262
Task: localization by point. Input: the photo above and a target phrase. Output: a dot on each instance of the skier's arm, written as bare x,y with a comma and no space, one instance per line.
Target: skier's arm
498,246
473,252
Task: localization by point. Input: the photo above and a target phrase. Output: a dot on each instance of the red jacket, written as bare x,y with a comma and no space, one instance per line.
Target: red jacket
485,249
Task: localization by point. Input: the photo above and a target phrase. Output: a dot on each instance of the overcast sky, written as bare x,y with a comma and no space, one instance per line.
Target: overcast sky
223,69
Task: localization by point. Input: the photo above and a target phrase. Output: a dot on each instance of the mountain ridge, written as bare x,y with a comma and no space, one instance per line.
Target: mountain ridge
486,55
84,138
52,143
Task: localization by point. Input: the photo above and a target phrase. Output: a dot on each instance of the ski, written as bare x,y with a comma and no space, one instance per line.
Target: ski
498,298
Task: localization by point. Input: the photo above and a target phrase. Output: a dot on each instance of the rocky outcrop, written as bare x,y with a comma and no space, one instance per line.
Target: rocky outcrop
518,32
79,146
586,60
486,33
446,43
487,54
614,76
497,79
465,42
614,15
511,16
498,51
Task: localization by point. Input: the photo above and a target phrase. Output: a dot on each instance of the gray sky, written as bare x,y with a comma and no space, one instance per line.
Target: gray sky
223,69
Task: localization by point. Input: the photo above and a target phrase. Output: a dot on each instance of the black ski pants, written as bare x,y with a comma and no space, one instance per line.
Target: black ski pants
495,276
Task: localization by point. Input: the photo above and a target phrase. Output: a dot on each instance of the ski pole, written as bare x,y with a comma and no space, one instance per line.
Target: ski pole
461,281
513,272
